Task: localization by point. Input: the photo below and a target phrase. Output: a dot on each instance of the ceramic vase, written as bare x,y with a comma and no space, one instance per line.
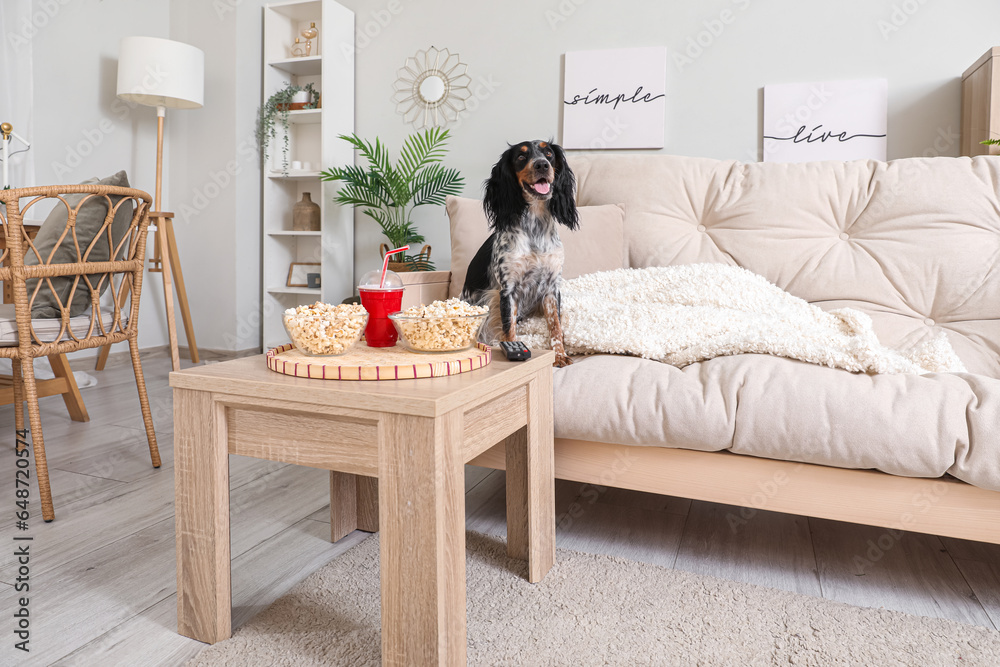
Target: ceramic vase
305,215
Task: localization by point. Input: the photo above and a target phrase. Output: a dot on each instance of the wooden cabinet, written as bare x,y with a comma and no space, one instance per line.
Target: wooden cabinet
311,138
981,104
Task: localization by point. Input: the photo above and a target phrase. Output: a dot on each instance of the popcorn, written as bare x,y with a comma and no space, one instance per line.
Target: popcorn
325,329
443,326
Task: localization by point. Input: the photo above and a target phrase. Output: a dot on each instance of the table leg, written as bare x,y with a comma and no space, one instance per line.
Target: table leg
422,541
353,504
367,503
531,521
343,504
201,474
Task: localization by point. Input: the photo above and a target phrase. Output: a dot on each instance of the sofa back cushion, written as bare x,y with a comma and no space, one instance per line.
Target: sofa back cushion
597,245
915,243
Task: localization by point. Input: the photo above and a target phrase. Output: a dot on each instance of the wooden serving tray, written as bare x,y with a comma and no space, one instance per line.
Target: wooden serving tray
376,363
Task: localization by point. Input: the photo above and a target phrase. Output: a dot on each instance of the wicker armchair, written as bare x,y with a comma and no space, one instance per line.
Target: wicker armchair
110,259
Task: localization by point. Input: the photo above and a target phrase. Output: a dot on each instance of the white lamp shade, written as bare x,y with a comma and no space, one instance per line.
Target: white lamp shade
161,72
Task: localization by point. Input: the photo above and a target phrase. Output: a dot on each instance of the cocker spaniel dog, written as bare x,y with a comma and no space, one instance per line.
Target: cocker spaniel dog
530,192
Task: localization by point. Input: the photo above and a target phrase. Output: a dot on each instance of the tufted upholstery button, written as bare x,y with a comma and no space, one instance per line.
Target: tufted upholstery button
844,236
701,228
929,322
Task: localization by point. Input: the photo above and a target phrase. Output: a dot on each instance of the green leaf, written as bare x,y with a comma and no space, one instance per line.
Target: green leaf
416,264
434,190
353,196
420,150
382,219
357,180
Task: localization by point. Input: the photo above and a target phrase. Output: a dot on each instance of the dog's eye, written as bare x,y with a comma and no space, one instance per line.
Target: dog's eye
521,158
548,153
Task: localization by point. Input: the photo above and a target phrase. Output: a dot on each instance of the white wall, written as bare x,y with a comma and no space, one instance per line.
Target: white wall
215,176
211,178
81,128
514,52
514,55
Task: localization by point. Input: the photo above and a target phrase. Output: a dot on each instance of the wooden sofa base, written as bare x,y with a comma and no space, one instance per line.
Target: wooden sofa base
942,506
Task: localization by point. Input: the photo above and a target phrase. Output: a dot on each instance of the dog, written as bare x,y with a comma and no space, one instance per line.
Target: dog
530,192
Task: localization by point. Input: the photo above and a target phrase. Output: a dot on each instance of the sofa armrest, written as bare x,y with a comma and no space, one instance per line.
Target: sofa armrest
423,287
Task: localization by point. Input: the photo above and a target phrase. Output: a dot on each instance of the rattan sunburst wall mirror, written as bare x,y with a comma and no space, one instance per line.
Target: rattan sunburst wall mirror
431,88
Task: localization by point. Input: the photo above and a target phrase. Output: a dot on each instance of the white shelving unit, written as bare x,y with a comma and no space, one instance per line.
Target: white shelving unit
312,137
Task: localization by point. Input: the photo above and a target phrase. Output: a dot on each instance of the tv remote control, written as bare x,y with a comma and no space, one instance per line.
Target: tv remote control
515,351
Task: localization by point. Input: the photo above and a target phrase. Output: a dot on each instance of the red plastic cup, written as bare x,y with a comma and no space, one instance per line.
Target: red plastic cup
379,303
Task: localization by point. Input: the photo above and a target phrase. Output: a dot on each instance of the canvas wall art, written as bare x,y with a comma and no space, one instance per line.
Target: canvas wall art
615,98
829,120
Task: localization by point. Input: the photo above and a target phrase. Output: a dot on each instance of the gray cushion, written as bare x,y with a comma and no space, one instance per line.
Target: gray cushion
89,221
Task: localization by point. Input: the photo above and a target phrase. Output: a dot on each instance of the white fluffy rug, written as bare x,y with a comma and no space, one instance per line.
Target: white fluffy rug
598,610
683,314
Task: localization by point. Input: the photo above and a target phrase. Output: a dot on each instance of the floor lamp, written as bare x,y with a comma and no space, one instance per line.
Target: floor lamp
163,73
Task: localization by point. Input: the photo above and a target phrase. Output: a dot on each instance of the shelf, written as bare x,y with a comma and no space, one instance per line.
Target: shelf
305,116
312,138
297,10
306,66
294,290
293,175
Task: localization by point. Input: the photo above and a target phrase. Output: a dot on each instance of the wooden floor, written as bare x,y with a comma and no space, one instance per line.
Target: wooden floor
102,575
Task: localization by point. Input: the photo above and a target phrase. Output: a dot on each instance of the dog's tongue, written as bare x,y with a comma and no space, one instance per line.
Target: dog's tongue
541,188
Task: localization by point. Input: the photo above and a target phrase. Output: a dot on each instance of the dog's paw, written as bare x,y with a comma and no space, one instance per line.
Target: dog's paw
562,361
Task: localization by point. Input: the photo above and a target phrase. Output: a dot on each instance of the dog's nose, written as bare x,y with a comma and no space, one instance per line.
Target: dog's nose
542,165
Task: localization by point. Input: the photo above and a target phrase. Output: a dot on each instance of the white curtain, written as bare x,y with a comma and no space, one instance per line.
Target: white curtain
17,28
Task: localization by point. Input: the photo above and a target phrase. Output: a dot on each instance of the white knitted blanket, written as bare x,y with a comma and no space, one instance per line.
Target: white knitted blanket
683,314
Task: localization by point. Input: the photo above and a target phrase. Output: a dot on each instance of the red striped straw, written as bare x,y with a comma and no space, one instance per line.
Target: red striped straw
385,263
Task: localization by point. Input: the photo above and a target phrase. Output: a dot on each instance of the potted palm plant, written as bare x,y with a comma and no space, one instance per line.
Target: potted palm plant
388,193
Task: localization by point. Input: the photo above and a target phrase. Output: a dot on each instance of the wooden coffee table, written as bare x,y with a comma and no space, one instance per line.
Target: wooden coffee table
412,436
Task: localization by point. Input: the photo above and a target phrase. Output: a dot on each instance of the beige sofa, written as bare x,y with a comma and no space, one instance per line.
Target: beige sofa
914,243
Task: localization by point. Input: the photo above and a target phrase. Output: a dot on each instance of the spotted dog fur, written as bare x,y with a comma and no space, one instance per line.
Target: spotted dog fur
530,192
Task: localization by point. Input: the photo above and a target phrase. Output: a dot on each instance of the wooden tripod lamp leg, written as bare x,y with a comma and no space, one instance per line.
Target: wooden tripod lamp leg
168,297
182,300
160,219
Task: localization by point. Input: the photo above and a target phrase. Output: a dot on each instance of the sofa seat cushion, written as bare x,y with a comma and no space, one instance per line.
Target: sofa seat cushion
914,243
910,425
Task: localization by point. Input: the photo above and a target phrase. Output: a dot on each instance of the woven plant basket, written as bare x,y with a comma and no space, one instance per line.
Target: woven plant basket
404,267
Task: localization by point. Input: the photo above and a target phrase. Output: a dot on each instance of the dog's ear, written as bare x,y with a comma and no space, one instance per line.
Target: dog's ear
563,203
503,201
